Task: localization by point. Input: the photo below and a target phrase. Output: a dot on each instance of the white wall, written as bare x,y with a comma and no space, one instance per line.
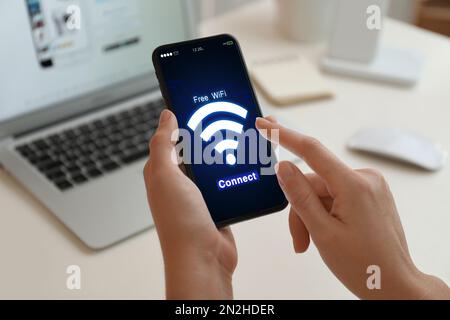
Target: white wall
400,9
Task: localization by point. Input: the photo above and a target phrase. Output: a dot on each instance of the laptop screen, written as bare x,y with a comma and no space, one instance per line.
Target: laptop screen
56,50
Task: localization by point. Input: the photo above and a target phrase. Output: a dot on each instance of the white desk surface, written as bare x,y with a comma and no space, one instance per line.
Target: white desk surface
35,248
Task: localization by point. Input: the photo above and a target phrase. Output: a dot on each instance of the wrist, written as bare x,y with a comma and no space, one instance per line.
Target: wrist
422,286
433,288
196,274
402,283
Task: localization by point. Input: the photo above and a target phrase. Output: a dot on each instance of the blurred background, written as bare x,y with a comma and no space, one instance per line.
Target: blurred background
433,15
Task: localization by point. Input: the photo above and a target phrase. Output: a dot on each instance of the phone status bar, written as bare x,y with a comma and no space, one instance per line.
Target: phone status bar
196,49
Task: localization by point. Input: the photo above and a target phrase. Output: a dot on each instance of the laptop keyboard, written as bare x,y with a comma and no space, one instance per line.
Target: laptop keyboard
91,150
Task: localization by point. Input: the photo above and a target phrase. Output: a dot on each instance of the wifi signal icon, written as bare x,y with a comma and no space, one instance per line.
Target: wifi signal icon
211,129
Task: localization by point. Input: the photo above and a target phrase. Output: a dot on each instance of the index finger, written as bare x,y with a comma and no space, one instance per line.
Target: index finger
320,159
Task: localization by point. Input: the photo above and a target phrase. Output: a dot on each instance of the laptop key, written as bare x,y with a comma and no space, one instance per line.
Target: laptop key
46,166
109,165
131,132
63,184
102,157
112,119
134,156
71,158
99,124
42,159
40,144
94,172
55,175
73,168
87,162
70,134
54,139
142,145
25,150
85,128
78,178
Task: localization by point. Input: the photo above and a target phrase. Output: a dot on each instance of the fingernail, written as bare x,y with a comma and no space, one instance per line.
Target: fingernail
284,172
261,120
165,115
296,250
276,166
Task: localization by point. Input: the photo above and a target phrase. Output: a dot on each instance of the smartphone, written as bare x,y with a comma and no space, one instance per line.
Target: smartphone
205,83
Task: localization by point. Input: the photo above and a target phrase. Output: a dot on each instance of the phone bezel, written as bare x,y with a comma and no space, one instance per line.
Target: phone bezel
165,94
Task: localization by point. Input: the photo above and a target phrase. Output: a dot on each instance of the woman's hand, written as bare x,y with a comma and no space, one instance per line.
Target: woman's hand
199,259
352,218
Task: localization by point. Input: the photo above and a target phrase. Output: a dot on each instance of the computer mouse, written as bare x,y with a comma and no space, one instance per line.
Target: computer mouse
400,145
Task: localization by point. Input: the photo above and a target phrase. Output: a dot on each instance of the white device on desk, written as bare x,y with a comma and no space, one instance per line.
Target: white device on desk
356,47
400,145
78,107
289,79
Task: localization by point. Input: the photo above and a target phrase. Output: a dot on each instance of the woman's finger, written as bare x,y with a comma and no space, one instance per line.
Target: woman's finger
299,233
336,174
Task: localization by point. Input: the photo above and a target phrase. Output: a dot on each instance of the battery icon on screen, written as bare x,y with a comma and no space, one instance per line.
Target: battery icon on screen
228,43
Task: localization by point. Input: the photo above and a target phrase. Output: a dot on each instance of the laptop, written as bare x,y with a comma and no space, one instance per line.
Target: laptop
79,102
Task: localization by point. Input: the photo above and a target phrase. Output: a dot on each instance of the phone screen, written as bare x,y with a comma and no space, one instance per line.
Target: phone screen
206,84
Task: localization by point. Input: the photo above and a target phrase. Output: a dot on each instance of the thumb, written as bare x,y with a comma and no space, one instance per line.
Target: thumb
163,141
304,201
